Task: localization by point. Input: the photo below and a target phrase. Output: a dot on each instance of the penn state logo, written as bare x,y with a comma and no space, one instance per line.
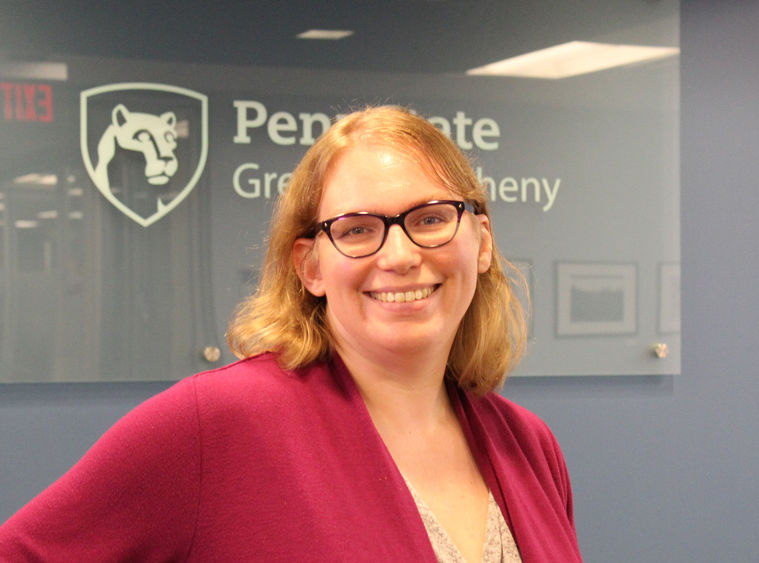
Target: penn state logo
144,145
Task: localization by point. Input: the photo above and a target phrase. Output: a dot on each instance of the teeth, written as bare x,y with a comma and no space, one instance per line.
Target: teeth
402,296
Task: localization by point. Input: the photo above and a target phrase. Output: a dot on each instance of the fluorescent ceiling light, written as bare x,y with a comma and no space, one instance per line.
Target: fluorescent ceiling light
39,179
34,71
573,59
25,224
325,34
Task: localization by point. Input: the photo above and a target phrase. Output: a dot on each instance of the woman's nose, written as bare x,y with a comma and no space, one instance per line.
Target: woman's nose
398,253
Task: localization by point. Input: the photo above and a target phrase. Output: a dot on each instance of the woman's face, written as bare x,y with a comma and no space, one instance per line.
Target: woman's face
380,179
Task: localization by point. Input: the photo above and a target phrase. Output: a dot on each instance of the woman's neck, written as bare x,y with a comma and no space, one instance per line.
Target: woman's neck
405,392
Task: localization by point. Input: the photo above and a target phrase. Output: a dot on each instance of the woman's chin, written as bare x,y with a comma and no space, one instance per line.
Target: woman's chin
410,340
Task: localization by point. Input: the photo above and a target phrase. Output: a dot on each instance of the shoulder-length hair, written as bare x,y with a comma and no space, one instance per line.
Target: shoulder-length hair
284,318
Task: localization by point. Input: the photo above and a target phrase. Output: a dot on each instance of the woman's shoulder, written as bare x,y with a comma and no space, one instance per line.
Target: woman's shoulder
501,407
258,386
261,369
504,417
260,373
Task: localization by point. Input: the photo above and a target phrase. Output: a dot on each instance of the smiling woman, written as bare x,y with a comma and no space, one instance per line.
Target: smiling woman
361,423
284,318
371,176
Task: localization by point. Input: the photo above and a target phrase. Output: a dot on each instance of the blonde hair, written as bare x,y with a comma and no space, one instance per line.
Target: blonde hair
282,317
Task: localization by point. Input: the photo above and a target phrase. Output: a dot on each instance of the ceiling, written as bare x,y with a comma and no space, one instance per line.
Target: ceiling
438,36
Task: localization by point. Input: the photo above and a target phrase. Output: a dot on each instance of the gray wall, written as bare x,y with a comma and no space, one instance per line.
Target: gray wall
663,468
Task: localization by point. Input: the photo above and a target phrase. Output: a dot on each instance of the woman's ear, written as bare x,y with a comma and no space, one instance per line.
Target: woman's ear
306,264
485,256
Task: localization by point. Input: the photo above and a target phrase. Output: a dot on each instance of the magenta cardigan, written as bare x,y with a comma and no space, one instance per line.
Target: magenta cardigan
250,463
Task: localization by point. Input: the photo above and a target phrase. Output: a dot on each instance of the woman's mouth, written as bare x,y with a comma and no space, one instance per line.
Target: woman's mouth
403,296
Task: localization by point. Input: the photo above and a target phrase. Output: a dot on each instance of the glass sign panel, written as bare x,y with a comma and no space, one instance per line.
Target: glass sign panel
135,197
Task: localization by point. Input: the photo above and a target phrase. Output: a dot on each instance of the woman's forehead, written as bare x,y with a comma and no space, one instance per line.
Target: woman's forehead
378,177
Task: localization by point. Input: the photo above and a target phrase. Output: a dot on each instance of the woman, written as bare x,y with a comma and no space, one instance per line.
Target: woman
361,425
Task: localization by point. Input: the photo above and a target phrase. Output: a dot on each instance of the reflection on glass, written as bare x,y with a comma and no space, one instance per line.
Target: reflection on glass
581,174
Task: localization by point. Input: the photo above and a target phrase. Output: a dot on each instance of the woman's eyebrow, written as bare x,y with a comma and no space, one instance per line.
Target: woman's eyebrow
415,202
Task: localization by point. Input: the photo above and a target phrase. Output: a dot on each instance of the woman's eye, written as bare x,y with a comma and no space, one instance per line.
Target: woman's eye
353,231
431,220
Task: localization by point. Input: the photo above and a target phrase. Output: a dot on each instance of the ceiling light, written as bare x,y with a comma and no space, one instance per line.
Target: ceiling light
25,224
325,34
573,59
34,71
39,179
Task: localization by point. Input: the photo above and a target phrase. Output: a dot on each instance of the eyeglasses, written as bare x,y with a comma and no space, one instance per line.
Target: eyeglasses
429,225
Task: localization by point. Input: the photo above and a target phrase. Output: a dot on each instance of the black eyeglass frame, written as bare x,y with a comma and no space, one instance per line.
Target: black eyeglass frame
399,220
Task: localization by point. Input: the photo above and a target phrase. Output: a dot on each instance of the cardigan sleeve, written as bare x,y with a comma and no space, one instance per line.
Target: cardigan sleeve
559,471
132,497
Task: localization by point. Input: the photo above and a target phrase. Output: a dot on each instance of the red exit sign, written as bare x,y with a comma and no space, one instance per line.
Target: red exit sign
27,102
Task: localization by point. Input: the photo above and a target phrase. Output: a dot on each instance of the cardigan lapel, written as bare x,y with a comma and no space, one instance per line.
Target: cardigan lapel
521,477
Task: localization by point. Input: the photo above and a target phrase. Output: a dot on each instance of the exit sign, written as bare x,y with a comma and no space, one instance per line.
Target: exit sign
27,102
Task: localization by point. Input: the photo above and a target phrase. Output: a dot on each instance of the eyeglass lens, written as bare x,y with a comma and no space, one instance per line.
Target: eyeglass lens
427,226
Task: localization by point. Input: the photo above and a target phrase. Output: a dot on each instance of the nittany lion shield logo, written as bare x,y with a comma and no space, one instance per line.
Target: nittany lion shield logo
144,145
